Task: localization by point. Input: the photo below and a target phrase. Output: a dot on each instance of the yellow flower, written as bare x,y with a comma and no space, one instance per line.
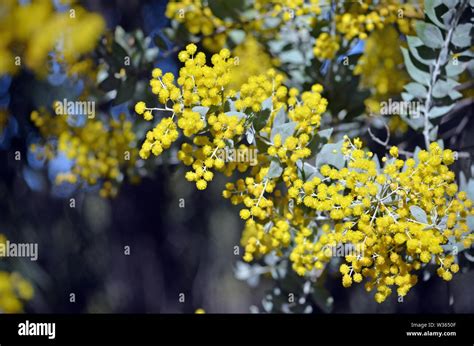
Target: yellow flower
201,184
140,107
15,291
394,151
40,32
100,150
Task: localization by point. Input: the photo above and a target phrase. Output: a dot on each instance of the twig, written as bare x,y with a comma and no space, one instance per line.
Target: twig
378,140
385,143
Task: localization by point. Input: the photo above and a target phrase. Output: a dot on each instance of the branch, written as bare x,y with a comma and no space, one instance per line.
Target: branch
385,143
437,69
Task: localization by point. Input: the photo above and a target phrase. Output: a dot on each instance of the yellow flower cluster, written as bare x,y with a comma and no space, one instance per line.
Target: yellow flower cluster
259,88
326,46
251,59
258,193
202,86
202,158
14,290
381,70
160,138
288,9
399,218
102,151
197,100
31,31
194,76
199,87
251,192
290,151
199,19
307,112
361,18
258,242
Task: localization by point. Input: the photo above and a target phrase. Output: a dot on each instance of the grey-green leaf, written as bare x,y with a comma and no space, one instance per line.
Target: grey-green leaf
448,16
415,73
125,91
462,35
429,34
407,97
434,133
326,133
226,8
250,135
267,103
319,139
416,89
307,171
419,214
275,170
419,51
454,68
430,6
201,110
450,3
285,130
470,189
436,112
293,56
331,154
443,88
237,36
280,117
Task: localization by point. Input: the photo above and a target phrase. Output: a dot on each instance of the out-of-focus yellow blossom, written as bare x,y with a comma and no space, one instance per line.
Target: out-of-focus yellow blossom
326,46
14,290
102,150
360,19
251,59
381,68
395,122
30,32
288,8
85,68
198,18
